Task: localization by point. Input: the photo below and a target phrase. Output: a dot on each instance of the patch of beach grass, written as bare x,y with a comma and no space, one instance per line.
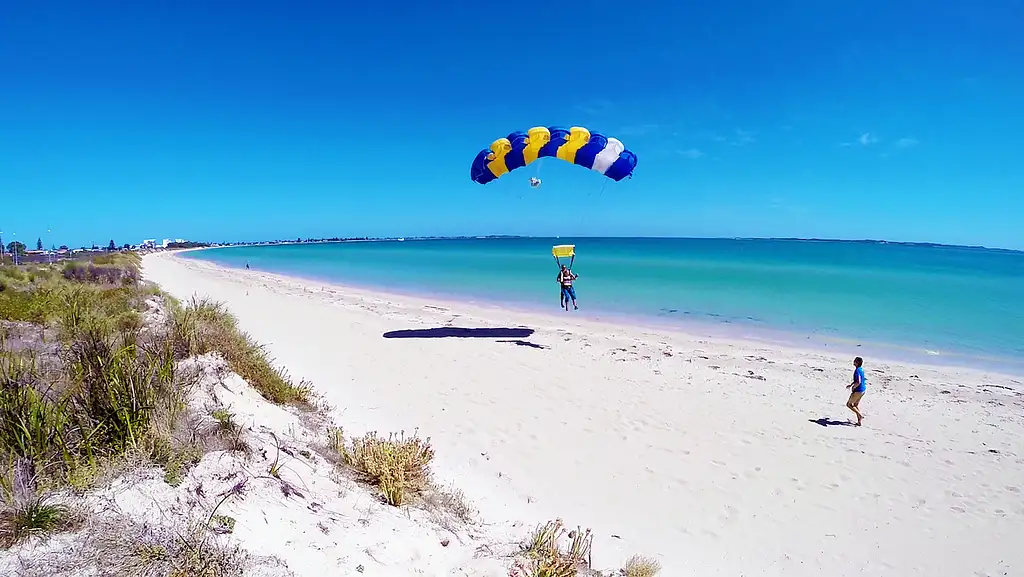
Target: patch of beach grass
398,465
117,544
448,504
27,510
37,517
98,393
203,326
640,566
542,554
227,433
553,551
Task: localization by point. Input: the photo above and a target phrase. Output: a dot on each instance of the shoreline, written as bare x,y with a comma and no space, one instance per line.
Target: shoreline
725,331
717,457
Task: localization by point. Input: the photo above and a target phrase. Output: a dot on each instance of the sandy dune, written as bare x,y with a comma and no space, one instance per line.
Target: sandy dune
716,457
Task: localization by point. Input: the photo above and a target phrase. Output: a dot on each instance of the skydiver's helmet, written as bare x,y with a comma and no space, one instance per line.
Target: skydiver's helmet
534,182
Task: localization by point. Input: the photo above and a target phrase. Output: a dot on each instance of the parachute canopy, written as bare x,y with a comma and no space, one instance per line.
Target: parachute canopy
563,250
560,251
575,145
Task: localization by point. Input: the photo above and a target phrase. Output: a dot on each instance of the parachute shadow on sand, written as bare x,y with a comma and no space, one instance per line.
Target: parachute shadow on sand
827,422
461,333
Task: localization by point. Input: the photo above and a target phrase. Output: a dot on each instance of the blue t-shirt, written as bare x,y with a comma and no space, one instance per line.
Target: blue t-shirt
858,377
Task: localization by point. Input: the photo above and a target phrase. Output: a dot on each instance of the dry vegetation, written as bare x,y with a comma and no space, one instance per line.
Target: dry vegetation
553,551
203,326
638,566
92,383
398,466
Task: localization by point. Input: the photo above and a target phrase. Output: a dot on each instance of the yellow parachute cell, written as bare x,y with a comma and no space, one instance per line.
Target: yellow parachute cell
563,251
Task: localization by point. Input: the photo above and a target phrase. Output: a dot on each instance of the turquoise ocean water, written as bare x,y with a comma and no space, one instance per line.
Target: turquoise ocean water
954,305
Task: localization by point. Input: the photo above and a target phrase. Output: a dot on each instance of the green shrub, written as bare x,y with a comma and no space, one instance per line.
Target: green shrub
20,520
203,326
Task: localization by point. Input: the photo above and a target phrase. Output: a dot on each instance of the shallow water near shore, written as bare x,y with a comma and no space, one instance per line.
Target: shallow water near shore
944,305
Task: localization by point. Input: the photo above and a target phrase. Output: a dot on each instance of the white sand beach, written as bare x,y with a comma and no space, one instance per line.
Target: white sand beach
714,457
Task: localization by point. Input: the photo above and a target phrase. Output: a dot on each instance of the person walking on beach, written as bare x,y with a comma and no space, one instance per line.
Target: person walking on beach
857,389
565,278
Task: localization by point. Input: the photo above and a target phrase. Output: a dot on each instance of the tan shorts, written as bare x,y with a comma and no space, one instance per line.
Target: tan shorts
855,399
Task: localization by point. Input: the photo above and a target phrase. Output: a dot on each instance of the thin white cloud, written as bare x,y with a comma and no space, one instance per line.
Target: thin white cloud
691,153
907,142
743,137
865,139
739,137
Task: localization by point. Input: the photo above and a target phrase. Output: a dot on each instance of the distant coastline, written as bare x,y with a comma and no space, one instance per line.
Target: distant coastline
335,240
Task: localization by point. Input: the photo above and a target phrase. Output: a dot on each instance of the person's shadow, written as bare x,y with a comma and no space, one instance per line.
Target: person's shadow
827,422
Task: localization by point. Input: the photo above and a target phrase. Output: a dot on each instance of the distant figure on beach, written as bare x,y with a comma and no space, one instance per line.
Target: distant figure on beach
246,266
565,278
857,389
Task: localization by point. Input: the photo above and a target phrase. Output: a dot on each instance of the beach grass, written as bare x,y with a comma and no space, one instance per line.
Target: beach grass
543,554
640,566
398,466
551,550
35,516
203,326
91,383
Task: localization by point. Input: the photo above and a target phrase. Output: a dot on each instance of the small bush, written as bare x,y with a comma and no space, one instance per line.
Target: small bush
543,556
450,501
178,462
399,466
26,306
638,566
36,516
123,274
229,433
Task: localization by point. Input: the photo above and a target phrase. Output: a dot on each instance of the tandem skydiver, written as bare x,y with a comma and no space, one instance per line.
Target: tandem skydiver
565,278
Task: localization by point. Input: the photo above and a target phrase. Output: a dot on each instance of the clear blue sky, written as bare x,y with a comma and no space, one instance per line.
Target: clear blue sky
245,120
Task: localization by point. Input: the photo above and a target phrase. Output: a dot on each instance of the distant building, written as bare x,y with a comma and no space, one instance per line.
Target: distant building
148,243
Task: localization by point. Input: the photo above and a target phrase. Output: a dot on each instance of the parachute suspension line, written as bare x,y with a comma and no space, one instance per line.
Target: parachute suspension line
583,213
572,259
